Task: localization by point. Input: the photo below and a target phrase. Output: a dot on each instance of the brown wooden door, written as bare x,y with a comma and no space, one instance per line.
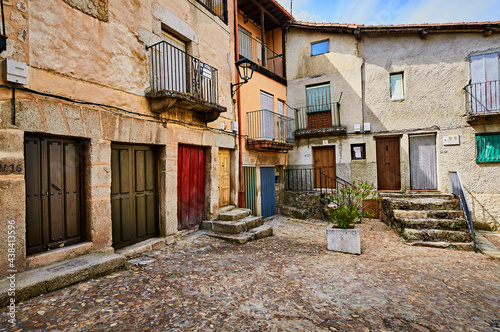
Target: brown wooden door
133,194
224,177
53,195
324,163
190,186
388,163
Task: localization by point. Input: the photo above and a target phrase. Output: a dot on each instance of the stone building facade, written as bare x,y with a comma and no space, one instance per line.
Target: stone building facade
405,89
102,157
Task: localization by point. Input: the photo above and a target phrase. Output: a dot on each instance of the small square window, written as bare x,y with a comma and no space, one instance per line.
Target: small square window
320,47
488,148
397,90
358,151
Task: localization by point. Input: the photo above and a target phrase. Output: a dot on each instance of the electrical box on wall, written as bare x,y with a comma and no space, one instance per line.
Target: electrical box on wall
357,128
451,140
234,126
367,126
17,71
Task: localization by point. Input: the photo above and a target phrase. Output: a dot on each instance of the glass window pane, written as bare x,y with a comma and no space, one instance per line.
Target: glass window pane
397,87
488,148
318,98
320,48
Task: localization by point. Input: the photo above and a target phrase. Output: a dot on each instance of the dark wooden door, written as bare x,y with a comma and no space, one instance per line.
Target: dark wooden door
190,186
133,194
324,166
53,192
388,163
268,191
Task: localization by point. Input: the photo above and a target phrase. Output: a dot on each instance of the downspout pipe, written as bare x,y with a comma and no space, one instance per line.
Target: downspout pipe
241,192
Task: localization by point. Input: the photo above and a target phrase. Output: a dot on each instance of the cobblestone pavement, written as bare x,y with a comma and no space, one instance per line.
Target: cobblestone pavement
288,282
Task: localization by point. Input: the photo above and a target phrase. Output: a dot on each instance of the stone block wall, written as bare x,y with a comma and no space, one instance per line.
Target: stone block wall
94,8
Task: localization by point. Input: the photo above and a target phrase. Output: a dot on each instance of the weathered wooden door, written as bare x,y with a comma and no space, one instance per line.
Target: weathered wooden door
324,163
423,165
388,163
53,192
133,194
190,186
224,177
268,191
249,187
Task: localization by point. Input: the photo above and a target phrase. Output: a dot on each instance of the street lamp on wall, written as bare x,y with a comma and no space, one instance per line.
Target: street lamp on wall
245,68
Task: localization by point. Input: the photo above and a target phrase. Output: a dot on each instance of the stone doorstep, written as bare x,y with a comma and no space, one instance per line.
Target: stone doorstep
234,214
57,255
417,194
226,208
144,246
465,246
253,221
431,223
294,212
242,238
423,204
230,227
43,280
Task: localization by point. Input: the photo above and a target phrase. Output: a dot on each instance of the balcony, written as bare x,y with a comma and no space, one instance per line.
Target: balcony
269,131
269,62
180,80
483,100
216,7
318,120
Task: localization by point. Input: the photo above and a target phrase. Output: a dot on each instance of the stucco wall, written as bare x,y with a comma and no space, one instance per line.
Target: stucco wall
436,69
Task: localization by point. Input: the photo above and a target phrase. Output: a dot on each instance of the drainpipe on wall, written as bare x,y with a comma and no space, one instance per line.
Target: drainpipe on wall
241,193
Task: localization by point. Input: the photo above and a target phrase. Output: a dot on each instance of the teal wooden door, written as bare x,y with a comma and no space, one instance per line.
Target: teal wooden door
268,191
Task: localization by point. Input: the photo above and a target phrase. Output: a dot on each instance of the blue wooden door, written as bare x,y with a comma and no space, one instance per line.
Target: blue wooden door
268,191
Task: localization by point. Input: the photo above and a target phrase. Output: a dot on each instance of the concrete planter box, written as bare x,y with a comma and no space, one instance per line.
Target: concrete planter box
343,240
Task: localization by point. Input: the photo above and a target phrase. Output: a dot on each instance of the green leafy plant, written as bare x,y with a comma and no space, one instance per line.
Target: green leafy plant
348,204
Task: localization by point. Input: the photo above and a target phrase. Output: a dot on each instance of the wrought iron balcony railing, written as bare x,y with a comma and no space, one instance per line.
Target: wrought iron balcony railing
483,98
217,7
318,116
252,49
270,126
174,70
312,179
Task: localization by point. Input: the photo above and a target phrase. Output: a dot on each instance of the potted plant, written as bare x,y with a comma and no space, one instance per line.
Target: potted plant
345,209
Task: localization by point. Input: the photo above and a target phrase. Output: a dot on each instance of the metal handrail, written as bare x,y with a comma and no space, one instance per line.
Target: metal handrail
483,98
457,189
172,69
312,179
331,119
216,7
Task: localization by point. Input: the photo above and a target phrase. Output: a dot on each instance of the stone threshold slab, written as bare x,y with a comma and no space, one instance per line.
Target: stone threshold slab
45,279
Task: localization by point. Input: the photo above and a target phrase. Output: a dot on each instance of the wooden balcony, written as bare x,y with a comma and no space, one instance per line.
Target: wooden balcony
318,120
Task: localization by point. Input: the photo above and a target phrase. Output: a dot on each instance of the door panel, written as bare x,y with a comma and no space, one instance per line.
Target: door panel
388,163
224,177
423,166
133,194
268,191
324,162
53,198
191,186
250,188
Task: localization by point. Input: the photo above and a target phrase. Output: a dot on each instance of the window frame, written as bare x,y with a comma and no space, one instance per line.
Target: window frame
477,148
315,107
319,42
363,151
393,97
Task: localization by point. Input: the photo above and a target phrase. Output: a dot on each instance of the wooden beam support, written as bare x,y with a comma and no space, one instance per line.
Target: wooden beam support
262,37
274,19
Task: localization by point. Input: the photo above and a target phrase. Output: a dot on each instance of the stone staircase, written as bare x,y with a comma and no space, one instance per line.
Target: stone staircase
237,225
427,218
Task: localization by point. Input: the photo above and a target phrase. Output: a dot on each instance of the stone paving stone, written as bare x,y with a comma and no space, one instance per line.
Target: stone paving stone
288,282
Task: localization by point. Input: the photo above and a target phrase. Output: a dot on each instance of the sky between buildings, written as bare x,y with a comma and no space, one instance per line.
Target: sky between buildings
394,11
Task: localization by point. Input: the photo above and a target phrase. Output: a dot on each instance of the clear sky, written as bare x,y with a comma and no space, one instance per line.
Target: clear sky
394,11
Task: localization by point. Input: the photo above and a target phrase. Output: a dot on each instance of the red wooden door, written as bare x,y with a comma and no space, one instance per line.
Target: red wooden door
388,163
190,186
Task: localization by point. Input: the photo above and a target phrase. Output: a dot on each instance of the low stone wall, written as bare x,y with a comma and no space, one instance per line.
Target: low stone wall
303,205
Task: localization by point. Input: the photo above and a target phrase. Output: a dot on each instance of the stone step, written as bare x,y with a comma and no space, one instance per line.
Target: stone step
432,223
42,280
294,212
435,235
465,246
226,208
234,214
418,194
262,231
421,214
232,227
420,204
242,238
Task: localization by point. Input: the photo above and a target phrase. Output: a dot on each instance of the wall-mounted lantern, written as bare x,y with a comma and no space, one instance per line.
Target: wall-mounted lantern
245,68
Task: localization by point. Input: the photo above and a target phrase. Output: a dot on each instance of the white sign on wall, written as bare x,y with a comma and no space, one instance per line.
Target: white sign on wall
451,140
